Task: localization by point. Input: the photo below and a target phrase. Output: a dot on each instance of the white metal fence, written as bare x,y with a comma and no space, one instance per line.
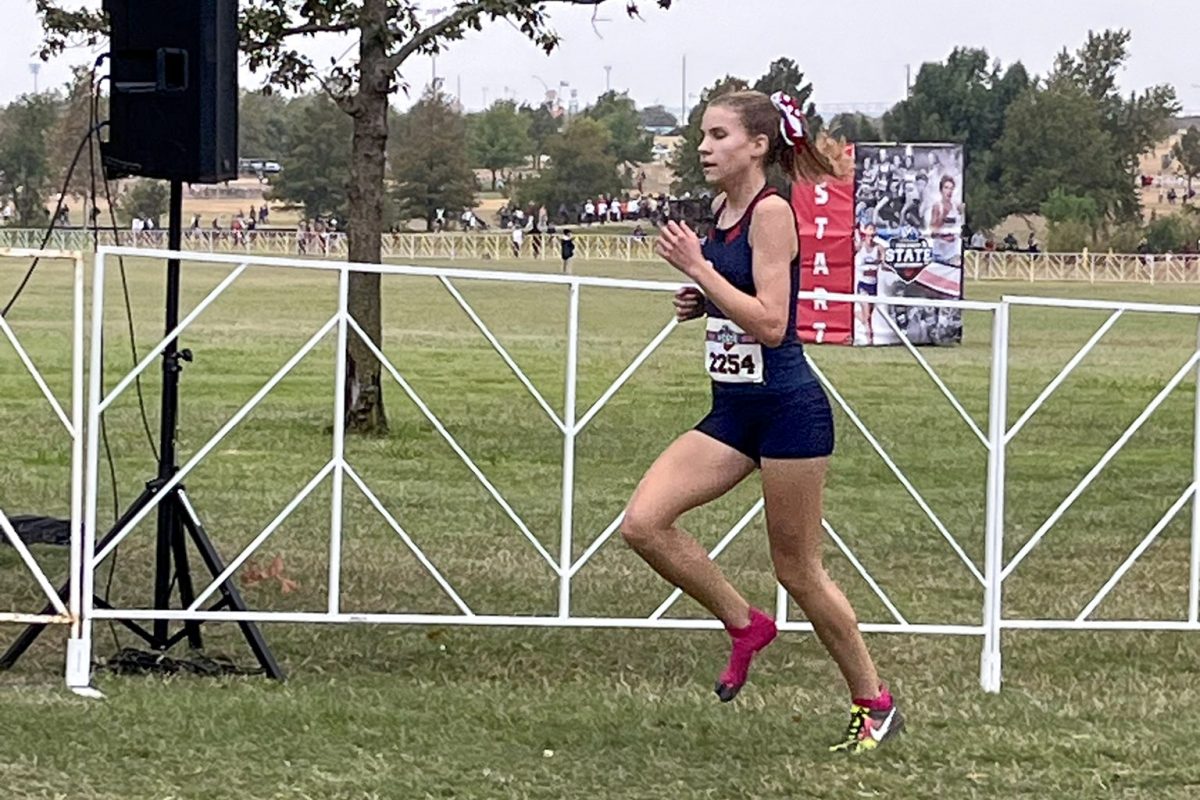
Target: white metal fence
1086,267
67,414
994,436
1189,617
1082,267
481,245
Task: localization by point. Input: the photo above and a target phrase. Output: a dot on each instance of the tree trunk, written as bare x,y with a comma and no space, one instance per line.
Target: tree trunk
364,390
493,180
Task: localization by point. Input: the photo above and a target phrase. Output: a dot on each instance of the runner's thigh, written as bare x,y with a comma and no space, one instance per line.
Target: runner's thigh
693,470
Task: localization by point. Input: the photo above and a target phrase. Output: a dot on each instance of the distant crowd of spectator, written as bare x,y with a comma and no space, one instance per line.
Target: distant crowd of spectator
983,241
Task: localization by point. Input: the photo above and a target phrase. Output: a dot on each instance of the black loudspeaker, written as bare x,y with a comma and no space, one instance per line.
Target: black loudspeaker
173,92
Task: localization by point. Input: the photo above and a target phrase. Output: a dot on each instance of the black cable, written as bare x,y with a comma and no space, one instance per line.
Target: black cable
131,661
62,196
112,473
93,121
133,348
125,653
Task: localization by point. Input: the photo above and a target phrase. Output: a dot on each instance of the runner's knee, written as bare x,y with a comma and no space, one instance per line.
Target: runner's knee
802,577
641,526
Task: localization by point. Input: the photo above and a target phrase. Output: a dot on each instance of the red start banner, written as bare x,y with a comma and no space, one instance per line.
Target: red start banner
825,215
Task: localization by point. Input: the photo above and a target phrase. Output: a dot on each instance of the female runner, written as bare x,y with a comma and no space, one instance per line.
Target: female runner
769,411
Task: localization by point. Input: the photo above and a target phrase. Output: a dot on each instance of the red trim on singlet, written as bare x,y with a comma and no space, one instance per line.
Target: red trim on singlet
731,234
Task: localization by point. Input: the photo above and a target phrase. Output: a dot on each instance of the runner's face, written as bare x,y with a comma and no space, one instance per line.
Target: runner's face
727,149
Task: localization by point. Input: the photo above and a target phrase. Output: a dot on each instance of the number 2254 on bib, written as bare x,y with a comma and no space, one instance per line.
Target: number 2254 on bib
730,354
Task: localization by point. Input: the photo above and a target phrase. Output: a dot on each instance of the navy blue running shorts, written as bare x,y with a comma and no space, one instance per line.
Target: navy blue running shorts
793,424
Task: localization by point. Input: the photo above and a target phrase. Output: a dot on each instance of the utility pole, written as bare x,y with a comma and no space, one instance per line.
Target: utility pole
607,79
683,93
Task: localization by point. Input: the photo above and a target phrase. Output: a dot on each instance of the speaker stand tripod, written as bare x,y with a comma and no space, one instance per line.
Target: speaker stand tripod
177,521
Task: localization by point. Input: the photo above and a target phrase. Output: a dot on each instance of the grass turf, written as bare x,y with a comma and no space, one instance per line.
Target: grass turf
372,711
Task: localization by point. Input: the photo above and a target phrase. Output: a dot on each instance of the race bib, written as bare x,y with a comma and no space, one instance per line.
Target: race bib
730,354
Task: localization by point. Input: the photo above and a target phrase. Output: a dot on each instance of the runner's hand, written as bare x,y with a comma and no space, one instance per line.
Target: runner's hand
689,304
679,246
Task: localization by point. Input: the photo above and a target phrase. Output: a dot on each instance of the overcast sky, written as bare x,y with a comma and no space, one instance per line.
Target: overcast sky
854,51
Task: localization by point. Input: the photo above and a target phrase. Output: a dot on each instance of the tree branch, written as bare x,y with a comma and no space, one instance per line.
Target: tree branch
315,28
461,16
470,12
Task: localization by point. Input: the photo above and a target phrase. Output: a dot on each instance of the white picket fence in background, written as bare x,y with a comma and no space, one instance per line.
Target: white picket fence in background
494,245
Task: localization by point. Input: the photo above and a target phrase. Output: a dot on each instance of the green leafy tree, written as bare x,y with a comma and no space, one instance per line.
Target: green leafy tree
581,165
1172,233
1187,152
1054,140
389,33
315,157
499,138
262,125
685,161
543,124
964,100
1073,220
144,198
628,141
1063,207
657,117
25,170
430,164
854,127
74,120
1135,123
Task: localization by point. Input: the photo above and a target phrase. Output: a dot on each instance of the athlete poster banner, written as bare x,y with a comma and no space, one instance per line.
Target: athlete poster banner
825,215
909,214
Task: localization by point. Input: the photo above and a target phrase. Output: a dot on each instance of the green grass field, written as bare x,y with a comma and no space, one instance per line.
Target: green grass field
391,712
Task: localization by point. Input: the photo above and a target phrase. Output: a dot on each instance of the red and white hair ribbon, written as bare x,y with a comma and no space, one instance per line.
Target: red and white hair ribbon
791,119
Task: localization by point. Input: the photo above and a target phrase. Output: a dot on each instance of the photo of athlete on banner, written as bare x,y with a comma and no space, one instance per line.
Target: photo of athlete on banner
909,216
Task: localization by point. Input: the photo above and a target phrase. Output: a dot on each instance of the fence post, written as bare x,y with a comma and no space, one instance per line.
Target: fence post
79,663
337,517
79,647
568,466
990,659
1194,571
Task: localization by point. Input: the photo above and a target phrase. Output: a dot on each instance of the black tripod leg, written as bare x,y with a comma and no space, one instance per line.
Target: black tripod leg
34,630
183,572
138,630
167,527
233,598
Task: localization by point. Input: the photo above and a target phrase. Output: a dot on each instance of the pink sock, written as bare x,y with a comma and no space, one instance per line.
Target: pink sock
881,703
746,642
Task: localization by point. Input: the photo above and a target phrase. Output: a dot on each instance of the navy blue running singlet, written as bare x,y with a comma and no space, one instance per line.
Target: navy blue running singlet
767,403
784,367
